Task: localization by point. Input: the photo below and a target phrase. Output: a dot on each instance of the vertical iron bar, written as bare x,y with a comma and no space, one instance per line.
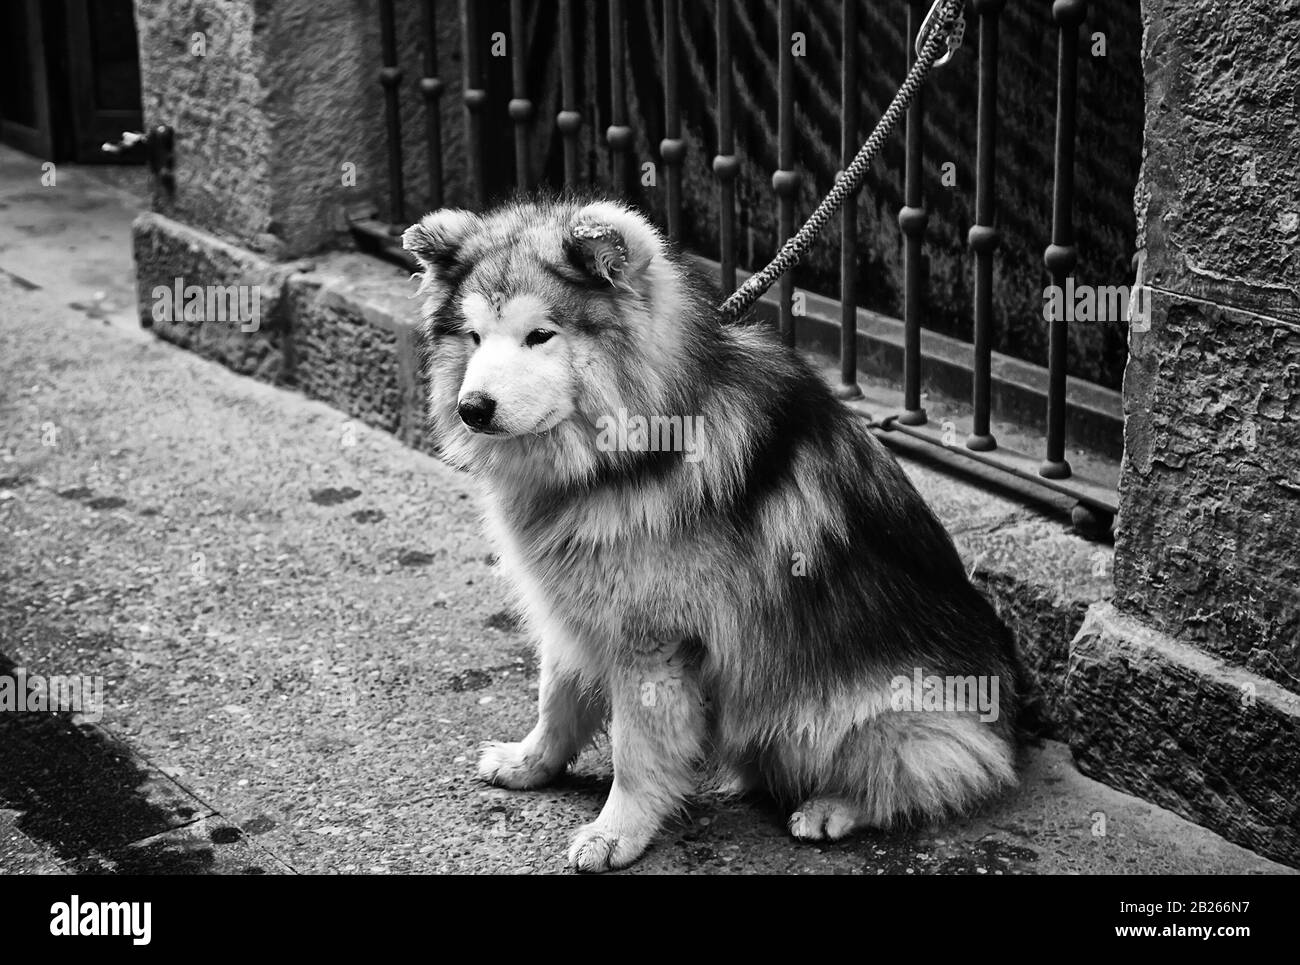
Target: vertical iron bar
568,120
390,76
848,387
672,148
1061,255
725,164
618,135
475,97
521,108
431,87
983,236
912,220
785,180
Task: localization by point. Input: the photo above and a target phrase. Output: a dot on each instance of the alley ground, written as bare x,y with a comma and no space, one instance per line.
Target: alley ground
302,636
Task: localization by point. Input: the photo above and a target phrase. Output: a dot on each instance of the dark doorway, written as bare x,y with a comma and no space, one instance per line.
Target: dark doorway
69,78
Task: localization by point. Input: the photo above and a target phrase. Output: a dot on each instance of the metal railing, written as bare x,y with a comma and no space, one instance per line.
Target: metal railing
1052,470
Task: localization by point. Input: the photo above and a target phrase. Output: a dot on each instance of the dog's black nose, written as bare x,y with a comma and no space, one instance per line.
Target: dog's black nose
476,410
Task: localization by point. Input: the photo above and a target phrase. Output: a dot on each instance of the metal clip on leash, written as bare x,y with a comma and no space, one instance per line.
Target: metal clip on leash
956,31
943,28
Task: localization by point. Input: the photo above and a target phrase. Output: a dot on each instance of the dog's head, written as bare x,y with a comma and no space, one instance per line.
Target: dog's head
541,317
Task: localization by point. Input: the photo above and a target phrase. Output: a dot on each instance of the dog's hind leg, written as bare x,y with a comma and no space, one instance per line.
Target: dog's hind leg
657,734
568,714
903,766
827,819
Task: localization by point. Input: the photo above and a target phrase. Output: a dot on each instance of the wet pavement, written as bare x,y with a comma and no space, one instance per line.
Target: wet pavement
302,637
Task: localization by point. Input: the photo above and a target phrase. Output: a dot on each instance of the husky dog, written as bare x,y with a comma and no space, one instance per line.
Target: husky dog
750,597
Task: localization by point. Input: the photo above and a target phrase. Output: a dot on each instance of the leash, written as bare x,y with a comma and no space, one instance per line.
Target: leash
942,30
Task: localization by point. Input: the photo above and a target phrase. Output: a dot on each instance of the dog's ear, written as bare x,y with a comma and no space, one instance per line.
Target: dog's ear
611,244
437,240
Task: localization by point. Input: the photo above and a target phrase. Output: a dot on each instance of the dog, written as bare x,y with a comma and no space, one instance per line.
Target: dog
760,601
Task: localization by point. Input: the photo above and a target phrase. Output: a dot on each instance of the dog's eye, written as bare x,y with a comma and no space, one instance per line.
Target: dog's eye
474,336
537,336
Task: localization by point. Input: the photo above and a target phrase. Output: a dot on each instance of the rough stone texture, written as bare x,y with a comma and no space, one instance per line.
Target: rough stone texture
1041,579
1207,543
285,96
340,328
215,102
1218,197
352,353
367,304
1208,740
167,251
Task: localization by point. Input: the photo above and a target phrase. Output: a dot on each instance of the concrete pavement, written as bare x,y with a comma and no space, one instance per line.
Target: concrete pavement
302,637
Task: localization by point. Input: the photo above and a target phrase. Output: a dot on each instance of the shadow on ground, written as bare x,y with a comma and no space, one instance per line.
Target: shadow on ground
92,803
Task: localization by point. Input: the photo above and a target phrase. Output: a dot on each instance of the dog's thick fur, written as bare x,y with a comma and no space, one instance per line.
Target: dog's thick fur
749,606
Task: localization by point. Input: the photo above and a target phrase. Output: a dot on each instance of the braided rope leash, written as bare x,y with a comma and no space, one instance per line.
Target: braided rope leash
936,35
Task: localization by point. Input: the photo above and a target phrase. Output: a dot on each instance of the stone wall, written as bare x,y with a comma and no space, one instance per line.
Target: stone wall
1164,721
276,106
202,72
1209,538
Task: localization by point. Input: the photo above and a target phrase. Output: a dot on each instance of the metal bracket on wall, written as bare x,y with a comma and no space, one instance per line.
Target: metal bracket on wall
158,147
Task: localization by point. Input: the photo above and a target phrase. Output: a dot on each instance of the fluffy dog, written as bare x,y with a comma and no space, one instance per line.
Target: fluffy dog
717,558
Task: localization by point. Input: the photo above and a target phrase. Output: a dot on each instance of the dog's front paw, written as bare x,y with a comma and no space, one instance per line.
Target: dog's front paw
597,847
509,765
